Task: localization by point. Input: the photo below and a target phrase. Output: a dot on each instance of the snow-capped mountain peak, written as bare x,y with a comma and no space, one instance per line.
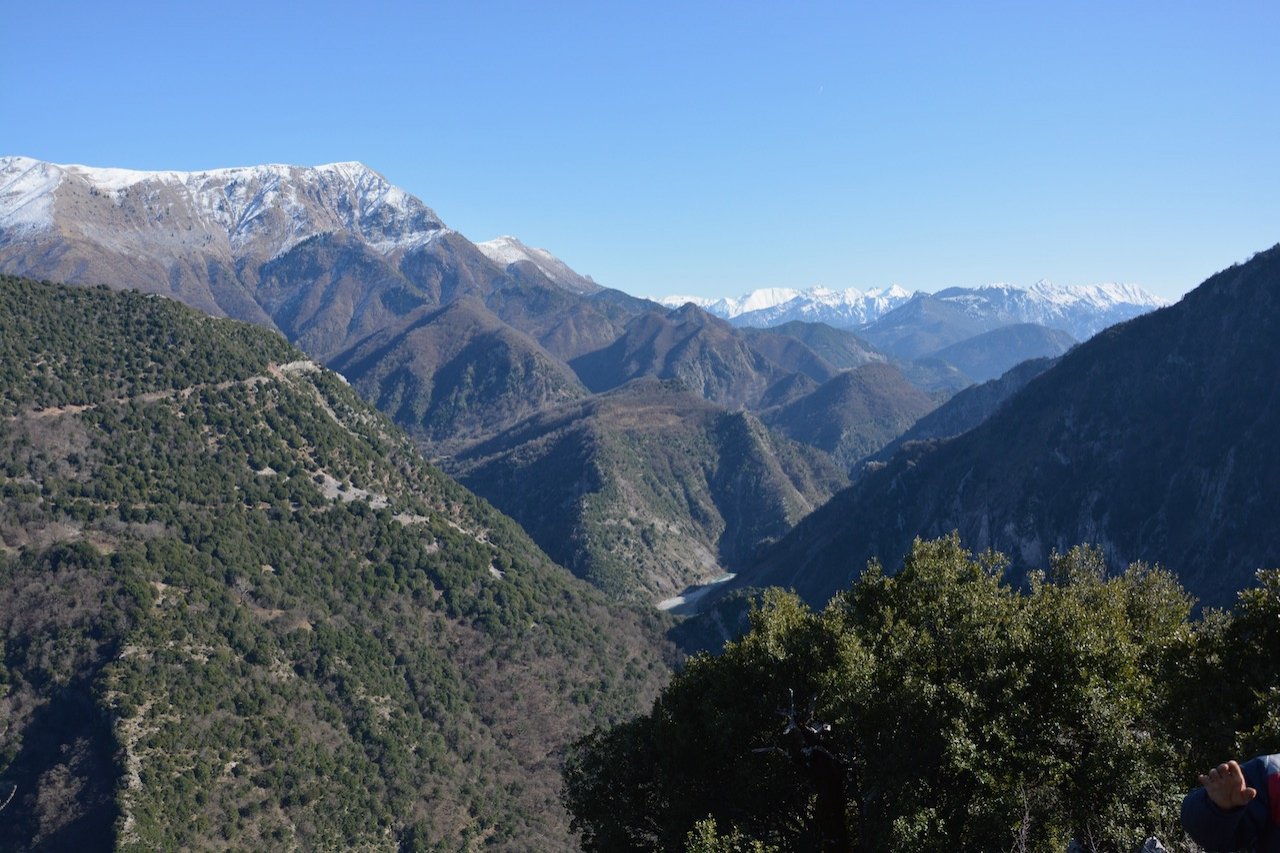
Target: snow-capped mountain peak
1080,310
772,306
257,210
26,192
507,250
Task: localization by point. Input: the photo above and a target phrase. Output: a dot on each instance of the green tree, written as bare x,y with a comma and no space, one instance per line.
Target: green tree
964,713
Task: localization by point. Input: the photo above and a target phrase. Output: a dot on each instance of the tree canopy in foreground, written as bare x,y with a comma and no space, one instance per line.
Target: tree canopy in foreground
944,709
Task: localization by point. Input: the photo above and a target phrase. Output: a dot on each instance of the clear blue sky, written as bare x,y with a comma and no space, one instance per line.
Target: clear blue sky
712,148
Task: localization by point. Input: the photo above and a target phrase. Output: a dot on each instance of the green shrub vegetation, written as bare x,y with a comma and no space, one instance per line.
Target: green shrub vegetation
964,714
238,610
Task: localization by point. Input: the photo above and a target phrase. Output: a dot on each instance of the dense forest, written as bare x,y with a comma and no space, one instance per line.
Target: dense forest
943,709
237,609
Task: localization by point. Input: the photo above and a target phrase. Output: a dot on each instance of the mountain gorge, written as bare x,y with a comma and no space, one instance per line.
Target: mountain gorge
241,607
1156,439
469,346
460,343
238,609
649,487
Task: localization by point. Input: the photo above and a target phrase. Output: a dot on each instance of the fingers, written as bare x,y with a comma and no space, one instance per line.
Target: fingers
1226,786
1228,773
1221,774
1235,783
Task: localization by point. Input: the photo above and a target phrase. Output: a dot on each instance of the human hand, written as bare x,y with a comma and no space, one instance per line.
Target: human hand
1226,787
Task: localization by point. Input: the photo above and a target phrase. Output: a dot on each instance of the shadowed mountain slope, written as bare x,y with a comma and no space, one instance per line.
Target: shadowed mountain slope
990,354
706,354
969,407
854,414
839,348
922,326
454,374
1158,439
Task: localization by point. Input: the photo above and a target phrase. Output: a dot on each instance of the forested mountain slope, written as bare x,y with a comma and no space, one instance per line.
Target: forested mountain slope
649,488
1158,439
238,609
854,414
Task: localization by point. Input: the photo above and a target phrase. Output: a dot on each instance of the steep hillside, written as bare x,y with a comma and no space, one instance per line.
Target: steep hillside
456,374
923,326
238,610
199,236
839,348
330,256
1158,439
854,414
708,355
648,489
989,355
969,407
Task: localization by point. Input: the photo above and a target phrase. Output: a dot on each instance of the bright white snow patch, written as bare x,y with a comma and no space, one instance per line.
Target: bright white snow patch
507,250
26,192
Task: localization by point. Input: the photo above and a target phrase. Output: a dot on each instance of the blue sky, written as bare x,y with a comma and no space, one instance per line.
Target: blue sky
712,148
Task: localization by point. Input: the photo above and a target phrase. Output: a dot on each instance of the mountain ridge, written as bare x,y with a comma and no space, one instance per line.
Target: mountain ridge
1079,310
363,277
1156,439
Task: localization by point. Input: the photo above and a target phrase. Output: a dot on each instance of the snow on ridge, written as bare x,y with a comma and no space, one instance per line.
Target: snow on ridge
1080,310
260,208
26,193
766,297
677,301
509,250
775,305
506,250
1104,293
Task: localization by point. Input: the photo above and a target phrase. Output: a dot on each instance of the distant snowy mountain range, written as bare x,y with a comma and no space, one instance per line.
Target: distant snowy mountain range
1081,311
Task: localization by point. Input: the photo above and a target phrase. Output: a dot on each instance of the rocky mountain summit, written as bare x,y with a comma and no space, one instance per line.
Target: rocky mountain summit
507,250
